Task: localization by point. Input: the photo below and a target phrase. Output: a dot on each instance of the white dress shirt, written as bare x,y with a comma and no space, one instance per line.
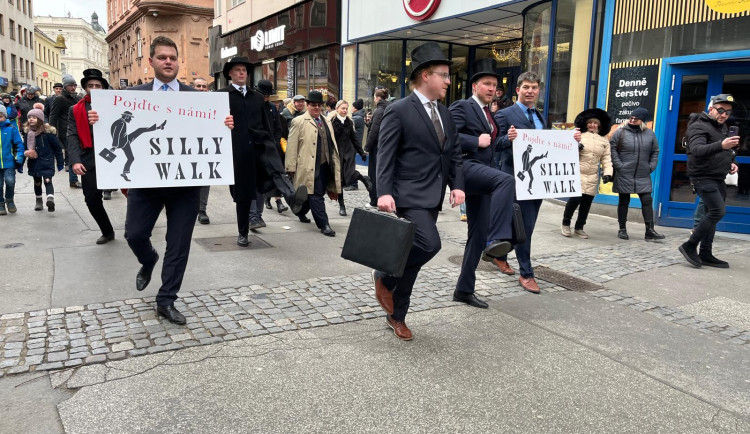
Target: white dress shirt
426,104
174,85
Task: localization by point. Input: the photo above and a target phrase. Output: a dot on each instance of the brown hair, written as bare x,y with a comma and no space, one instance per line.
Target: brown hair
382,93
163,41
529,76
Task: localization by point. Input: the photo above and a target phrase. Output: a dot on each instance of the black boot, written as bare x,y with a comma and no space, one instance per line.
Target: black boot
651,234
688,251
268,203
280,207
622,233
710,260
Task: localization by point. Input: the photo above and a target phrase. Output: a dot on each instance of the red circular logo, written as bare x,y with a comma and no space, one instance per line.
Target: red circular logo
420,10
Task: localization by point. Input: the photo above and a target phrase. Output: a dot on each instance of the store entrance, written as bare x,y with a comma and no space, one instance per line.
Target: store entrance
692,89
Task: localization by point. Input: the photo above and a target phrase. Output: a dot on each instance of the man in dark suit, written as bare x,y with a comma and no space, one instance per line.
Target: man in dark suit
145,204
522,114
418,155
489,191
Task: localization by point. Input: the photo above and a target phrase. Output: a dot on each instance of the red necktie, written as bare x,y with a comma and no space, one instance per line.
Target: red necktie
493,134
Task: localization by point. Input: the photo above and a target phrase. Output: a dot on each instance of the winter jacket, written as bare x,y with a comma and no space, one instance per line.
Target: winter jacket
346,140
371,145
595,151
25,105
72,142
358,118
11,146
47,150
706,158
635,153
290,113
59,111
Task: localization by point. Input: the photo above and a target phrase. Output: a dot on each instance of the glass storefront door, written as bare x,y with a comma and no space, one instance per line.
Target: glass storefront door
692,90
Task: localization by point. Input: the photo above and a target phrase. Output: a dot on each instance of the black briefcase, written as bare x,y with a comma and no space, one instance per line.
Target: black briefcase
380,241
520,175
519,232
108,155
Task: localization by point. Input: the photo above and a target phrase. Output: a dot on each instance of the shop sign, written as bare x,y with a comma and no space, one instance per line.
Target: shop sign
631,88
228,52
268,39
728,6
420,10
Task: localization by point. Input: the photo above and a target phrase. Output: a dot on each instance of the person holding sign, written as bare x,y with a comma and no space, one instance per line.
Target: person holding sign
145,204
635,153
81,155
593,152
523,114
489,191
419,154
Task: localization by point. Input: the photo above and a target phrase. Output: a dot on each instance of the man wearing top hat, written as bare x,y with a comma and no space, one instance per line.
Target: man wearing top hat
711,156
312,160
419,153
489,191
145,204
523,115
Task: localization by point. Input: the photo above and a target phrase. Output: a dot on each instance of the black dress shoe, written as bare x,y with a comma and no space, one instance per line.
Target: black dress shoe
342,211
280,207
303,218
125,176
143,278
242,241
104,239
327,231
203,218
300,196
470,299
497,249
171,314
268,203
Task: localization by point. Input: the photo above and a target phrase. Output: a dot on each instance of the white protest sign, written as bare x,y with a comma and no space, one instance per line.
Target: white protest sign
161,139
546,164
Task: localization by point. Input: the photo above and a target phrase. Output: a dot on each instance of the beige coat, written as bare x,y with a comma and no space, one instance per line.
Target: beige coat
595,151
301,149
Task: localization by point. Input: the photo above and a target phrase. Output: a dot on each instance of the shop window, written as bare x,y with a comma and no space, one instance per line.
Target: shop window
536,43
459,74
283,78
318,13
379,65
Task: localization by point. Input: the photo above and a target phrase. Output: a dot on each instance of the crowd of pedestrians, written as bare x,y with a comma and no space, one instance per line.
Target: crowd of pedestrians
304,150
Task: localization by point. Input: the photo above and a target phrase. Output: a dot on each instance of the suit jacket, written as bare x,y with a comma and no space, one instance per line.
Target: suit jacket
504,118
412,166
471,122
301,152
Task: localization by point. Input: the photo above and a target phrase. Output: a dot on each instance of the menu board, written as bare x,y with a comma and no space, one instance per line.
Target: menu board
631,88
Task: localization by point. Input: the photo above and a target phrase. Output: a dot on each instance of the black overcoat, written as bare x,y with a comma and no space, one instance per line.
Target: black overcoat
349,146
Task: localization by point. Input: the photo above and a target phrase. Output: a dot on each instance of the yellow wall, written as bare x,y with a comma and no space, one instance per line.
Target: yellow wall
579,62
47,61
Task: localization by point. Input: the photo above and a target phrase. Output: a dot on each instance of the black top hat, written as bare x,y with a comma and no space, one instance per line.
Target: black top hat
238,60
484,67
265,87
594,113
57,85
426,55
315,96
93,74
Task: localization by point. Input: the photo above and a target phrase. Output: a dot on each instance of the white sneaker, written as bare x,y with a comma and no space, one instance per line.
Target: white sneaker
565,230
581,233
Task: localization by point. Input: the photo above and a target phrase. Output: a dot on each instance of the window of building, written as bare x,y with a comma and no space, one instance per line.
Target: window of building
139,43
33,76
2,59
12,28
20,34
237,2
24,5
217,7
379,65
2,24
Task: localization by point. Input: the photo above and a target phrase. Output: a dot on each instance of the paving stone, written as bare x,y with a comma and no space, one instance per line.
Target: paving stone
97,358
49,366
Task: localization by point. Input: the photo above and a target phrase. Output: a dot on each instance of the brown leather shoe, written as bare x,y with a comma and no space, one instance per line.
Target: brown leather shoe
383,295
504,267
529,284
399,329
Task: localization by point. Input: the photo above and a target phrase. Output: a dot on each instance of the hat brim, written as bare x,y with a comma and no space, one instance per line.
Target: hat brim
85,80
594,113
229,65
479,75
427,64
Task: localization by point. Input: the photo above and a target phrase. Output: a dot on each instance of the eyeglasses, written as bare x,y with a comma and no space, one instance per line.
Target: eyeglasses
722,111
633,118
443,75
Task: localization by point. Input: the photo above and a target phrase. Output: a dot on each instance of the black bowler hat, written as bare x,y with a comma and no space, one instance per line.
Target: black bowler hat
265,87
93,74
315,96
595,113
484,67
238,60
56,85
426,55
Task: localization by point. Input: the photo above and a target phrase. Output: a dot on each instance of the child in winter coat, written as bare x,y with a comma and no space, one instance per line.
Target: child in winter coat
44,151
11,159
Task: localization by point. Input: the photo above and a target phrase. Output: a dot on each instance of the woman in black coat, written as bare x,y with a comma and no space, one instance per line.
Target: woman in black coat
346,139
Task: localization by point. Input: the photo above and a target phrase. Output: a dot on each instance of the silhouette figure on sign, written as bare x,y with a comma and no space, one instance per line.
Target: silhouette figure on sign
122,140
527,165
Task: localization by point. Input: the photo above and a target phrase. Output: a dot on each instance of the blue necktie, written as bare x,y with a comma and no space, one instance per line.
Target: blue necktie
164,87
531,118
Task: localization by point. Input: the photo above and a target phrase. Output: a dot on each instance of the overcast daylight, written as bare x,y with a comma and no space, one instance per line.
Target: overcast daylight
76,9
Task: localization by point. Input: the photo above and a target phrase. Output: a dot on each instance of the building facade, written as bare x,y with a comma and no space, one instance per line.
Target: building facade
134,24
669,56
48,55
293,44
17,65
86,47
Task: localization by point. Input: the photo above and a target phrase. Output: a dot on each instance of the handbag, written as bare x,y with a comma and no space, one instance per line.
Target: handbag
379,241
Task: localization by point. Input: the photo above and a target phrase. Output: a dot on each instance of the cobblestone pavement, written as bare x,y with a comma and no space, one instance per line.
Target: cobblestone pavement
76,335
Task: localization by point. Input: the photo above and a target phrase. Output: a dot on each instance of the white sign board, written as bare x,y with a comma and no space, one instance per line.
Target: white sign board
546,164
161,139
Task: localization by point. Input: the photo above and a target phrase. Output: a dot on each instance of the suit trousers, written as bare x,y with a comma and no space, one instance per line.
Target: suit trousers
94,202
144,207
530,211
372,168
426,246
489,210
204,197
316,201
256,207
